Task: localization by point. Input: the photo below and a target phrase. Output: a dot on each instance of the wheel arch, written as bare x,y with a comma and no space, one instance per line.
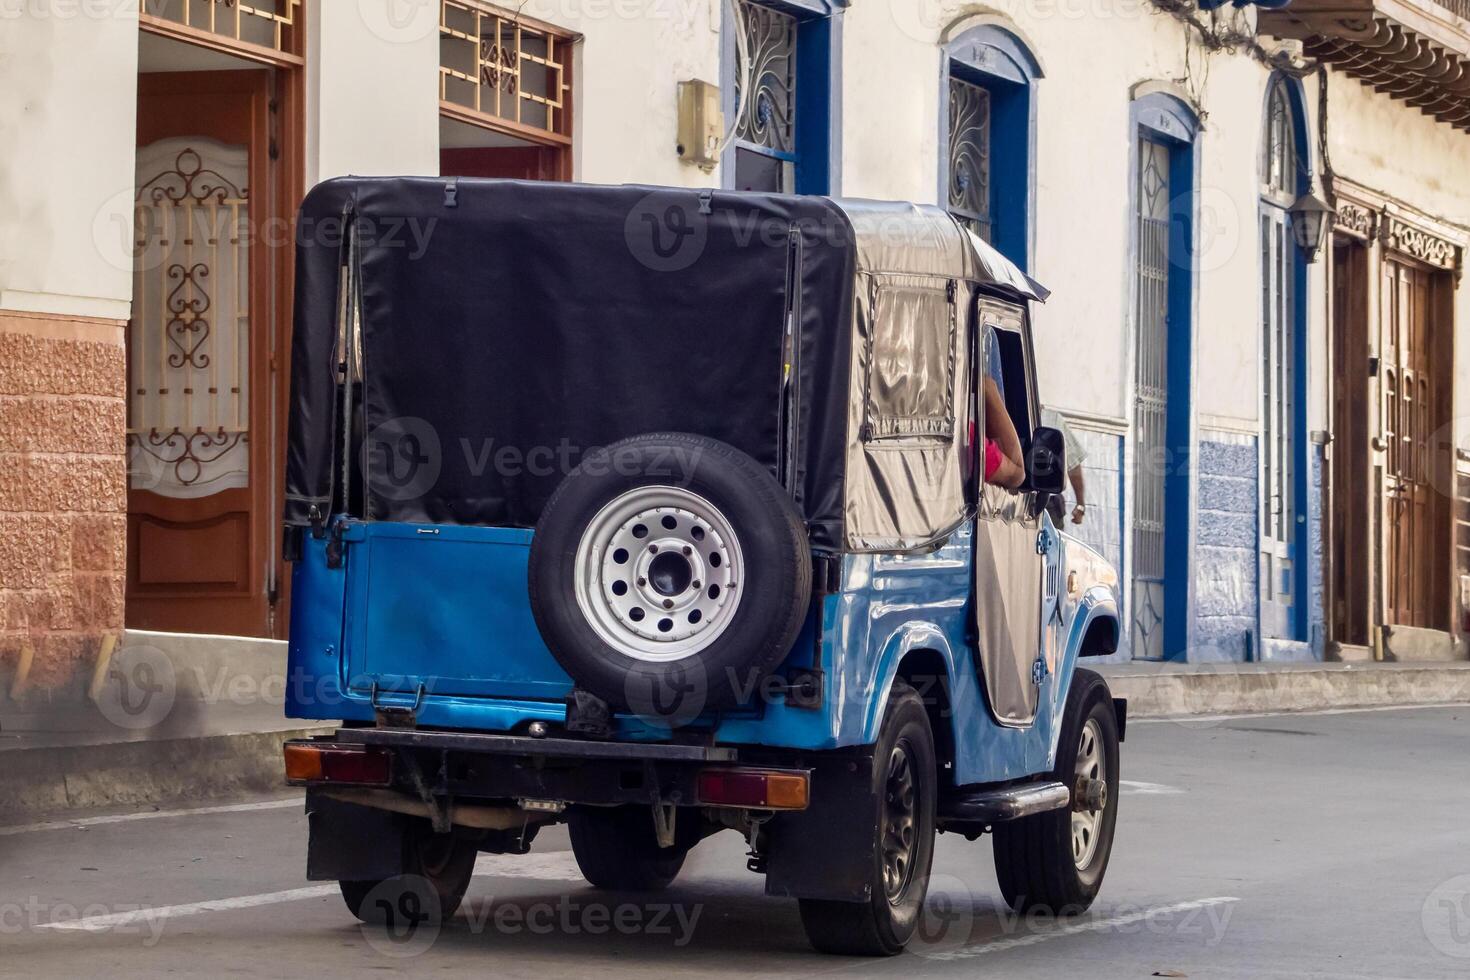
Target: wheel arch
921,656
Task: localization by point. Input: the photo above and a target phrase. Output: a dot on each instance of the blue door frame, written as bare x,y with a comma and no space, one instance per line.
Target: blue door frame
1300,614
817,156
1168,120
997,61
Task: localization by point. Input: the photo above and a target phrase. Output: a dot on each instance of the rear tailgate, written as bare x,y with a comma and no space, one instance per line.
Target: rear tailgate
445,607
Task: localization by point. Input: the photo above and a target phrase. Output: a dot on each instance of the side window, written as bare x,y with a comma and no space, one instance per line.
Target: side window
1005,363
910,359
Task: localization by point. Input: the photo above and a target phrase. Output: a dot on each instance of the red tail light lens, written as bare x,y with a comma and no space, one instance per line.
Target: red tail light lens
760,789
310,762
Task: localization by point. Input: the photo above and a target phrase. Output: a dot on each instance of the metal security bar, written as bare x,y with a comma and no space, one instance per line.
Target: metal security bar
504,71
969,156
1151,397
189,350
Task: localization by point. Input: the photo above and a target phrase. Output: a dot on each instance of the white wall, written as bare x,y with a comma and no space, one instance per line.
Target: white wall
372,96
1094,58
627,72
68,74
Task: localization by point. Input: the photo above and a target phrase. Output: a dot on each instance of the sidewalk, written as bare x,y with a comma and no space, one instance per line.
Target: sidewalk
1168,690
178,720
183,720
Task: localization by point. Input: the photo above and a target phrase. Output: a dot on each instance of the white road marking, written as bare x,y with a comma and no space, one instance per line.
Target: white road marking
77,823
1203,719
552,866
1148,789
1096,925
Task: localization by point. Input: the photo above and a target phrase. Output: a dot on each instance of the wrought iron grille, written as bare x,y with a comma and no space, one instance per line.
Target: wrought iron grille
496,65
969,155
268,24
1151,396
189,338
769,116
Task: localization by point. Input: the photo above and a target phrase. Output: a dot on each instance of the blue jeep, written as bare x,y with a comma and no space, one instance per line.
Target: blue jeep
660,512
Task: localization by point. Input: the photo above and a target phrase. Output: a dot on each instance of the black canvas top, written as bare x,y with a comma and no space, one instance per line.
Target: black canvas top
510,326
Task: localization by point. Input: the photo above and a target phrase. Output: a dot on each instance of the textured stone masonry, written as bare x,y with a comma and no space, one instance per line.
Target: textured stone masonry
63,493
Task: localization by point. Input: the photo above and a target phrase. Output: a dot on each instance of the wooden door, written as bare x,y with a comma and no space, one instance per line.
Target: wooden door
1413,410
200,427
1351,482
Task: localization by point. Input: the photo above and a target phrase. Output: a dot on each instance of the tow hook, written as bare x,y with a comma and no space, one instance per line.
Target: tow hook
1090,795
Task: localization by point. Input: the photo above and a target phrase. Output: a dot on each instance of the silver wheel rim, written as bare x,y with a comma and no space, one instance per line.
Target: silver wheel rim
659,573
1086,824
900,819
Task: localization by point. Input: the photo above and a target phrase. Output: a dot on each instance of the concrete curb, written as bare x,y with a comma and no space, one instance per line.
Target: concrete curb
1157,691
172,771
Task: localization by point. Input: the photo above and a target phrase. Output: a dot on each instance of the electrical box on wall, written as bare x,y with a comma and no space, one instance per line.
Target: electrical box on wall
701,123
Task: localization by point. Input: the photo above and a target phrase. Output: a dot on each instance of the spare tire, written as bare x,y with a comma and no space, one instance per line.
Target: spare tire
669,573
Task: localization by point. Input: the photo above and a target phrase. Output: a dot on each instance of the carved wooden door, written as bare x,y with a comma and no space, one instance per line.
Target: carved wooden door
1412,410
199,385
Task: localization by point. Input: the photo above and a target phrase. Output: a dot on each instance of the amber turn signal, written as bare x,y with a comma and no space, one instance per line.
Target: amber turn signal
757,789
315,762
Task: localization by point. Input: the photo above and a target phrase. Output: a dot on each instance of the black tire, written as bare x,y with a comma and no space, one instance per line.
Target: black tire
1034,858
617,849
884,924
437,870
772,601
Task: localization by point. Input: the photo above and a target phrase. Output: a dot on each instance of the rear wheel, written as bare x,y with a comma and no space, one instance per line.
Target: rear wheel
1053,863
617,849
905,774
436,874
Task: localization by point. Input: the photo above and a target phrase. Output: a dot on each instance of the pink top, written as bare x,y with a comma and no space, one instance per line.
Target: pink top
992,459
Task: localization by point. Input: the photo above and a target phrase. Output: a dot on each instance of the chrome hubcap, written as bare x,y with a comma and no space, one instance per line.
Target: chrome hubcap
659,572
1090,783
900,803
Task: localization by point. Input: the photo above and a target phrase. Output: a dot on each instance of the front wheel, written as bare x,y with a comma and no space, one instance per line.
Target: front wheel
905,775
1053,863
436,874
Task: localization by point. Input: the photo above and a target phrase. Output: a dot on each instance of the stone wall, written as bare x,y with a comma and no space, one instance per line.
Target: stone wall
1226,560
63,486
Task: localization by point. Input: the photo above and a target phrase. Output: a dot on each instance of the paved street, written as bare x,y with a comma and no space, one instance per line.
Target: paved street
1330,845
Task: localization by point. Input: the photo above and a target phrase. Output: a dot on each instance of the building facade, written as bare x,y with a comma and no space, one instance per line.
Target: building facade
1271,423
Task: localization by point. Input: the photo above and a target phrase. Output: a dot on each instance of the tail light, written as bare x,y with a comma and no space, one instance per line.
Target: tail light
757,789
316,762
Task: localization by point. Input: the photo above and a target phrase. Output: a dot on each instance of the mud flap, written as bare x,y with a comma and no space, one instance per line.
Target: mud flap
827,850
347,842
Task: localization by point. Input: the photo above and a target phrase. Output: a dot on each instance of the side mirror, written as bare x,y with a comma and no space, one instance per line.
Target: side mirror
1046,461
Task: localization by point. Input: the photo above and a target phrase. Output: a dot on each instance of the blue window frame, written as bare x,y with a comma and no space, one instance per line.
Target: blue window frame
785,127
1163,196
1285,174
987,136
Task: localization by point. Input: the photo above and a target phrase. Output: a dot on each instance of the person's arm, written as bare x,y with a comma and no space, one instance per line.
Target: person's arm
1012,470
1078,488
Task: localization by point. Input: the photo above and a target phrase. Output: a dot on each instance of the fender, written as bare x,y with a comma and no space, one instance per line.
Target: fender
1097,604
918,635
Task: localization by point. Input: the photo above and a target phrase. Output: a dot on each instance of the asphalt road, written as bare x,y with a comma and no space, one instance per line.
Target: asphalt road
1330,845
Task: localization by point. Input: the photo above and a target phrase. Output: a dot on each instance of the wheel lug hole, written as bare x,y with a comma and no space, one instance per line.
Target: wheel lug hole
653,549
642,582
668,603
688,550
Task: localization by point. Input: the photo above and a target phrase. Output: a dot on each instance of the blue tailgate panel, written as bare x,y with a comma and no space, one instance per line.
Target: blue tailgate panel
446,607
